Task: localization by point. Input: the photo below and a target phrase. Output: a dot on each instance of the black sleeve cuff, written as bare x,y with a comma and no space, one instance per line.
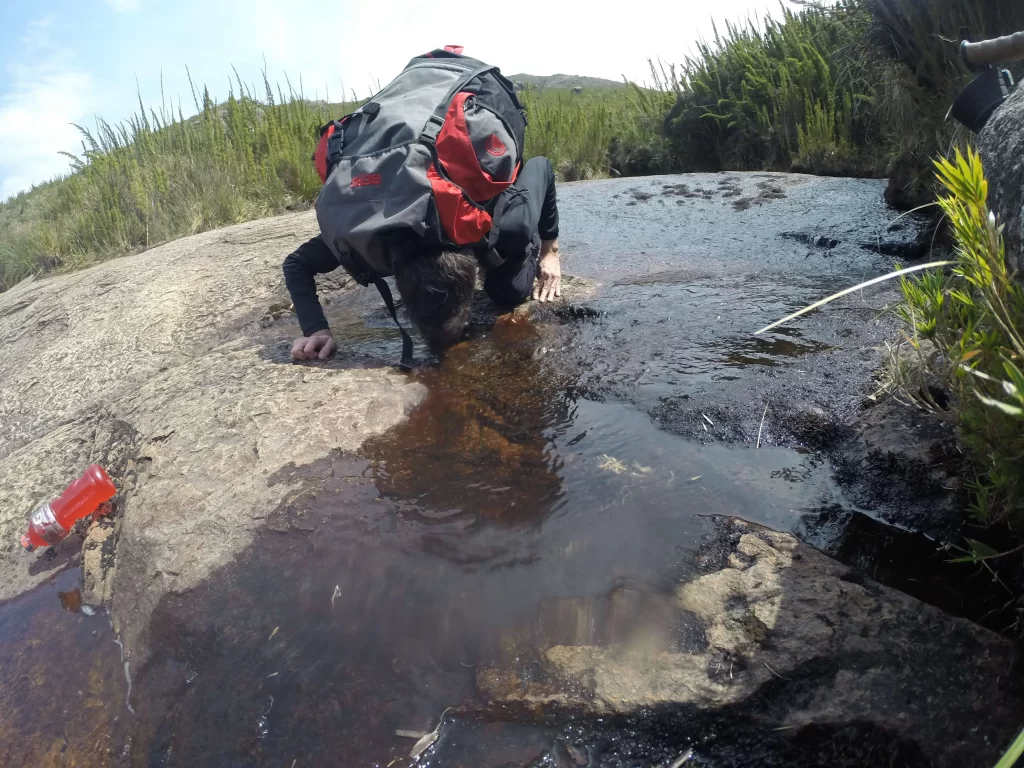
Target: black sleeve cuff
317,326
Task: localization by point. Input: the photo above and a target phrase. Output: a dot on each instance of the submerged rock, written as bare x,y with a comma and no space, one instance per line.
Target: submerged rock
796,640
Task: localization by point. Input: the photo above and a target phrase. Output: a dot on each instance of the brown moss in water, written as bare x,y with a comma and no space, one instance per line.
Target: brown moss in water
63,688
489,407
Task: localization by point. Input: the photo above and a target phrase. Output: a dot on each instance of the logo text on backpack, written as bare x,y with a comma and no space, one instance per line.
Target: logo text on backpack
366,180
494,146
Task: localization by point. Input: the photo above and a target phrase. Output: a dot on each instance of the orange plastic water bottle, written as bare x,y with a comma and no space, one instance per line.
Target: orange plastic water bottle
54,520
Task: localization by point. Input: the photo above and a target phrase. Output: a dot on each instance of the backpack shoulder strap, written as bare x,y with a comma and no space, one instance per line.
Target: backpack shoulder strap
385,293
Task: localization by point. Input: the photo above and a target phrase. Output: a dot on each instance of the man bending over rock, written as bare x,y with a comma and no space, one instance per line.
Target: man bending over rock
437,285
426,182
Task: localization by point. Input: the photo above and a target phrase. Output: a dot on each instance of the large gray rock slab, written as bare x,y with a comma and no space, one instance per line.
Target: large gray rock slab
1001,145
170,368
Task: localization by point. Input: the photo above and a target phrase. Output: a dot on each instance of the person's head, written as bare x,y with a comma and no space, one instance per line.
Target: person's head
437,288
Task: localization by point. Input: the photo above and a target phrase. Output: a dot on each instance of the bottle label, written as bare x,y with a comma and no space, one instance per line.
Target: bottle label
45,524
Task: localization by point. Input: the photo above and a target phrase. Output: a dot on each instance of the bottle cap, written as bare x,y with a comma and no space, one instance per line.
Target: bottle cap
28,545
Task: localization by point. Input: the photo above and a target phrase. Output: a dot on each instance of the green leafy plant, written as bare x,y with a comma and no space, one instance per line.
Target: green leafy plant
965,341
1013,754
966,337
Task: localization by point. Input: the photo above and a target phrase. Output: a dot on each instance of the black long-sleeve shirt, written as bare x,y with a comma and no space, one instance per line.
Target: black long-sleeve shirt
300,269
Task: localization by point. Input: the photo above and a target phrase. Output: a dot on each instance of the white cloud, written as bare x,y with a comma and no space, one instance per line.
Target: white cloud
124,5
46,94
557,36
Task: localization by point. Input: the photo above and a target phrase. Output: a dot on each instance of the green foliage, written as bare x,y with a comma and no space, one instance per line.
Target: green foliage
854,87
913,46
160,176
598,133
966,329
792,93
1013,754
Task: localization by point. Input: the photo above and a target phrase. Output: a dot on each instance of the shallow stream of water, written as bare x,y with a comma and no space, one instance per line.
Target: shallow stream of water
553,487
508,509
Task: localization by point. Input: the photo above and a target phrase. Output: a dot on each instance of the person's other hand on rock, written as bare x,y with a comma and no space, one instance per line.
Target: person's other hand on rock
549,273
317,346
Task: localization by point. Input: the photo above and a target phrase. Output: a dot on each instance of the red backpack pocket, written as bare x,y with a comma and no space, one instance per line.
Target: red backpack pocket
476,149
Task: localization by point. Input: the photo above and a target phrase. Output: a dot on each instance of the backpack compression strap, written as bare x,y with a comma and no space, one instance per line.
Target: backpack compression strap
436,121
385,293
330,148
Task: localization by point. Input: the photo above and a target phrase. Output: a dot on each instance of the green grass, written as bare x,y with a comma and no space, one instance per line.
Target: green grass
160,176
860,87
856,88
774,96
913,48
598,133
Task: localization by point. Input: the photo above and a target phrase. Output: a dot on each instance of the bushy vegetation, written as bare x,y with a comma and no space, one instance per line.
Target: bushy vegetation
161,175
966,333
767,98
859,87
914,47
599,133
856,87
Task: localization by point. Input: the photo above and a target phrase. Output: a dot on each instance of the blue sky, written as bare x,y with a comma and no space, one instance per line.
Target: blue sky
64,62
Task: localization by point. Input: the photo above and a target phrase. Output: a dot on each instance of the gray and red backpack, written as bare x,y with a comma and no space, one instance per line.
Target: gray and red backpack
420,164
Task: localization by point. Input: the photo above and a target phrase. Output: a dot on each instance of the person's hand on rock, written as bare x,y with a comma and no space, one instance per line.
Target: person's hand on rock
549,273
317,346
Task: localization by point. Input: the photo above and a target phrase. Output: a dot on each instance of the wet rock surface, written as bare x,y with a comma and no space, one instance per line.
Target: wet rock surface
710,284
60,710
1001,145
154,365
306,560
804,640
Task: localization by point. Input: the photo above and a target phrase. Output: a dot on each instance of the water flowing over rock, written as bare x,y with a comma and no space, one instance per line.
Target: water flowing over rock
299,563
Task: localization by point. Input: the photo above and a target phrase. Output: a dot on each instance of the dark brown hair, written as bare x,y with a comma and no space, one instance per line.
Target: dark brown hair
437,288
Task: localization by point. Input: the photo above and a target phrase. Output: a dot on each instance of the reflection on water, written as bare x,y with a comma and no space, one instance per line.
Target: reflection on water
62,688
662,340
479,446
758,350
